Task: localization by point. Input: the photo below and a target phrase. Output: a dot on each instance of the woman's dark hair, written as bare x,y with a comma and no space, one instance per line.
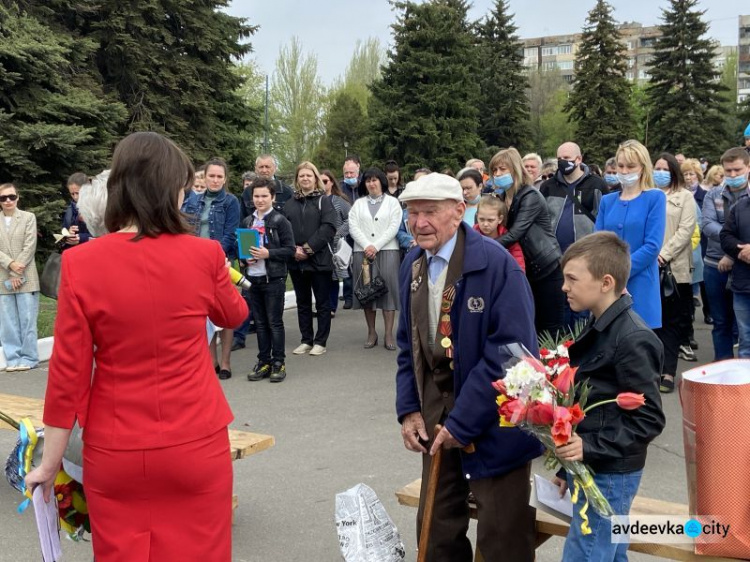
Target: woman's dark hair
218,162
335,187
392,166
372,173
678,180
148,173
473,174
268,183
595,170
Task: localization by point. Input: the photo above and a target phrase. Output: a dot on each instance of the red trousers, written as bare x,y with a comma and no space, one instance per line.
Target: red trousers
161,505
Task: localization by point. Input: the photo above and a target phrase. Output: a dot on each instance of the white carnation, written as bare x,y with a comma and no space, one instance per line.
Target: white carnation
522,378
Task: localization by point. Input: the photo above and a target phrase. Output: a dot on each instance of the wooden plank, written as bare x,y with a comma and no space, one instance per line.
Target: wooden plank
242,443
548,525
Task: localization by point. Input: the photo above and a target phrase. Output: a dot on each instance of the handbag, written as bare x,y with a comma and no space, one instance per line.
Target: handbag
667,282
49,282
342,257
371,288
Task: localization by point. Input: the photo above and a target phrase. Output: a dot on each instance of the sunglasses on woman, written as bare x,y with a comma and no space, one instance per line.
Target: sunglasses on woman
4,198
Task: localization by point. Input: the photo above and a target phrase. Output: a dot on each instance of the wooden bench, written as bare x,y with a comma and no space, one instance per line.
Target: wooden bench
242,443
548,525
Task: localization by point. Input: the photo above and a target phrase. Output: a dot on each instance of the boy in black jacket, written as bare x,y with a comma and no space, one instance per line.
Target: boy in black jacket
617,353
267,272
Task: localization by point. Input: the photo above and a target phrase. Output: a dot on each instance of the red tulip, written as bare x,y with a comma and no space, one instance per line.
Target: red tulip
576,414
540,414
513,411
561,432
630,400
564,380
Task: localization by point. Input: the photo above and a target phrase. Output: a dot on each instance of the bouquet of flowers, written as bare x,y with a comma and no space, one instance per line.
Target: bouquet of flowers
541,399
68,493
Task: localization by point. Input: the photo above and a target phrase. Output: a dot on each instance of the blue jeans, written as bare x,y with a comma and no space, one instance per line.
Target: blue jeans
742,313
18,314
267,300
619,489
722,311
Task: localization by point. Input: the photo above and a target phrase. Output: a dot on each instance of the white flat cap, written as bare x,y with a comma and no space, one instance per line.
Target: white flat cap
433,187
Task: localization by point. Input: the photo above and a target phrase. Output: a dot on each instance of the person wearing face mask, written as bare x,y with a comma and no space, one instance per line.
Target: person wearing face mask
529,225
735,241
718,264
471,182
573,196
610,176
350,183
677,252
638,215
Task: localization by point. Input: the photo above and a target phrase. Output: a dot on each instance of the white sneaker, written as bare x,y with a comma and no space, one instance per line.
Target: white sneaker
302,349
318,350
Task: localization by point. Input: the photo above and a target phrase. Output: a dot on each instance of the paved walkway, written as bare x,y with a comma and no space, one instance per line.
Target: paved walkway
334,423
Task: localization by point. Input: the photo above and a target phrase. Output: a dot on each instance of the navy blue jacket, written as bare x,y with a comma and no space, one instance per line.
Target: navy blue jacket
506,315
223,219
70,218
736,230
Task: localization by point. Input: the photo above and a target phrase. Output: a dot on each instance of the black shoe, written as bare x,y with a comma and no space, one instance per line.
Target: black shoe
225,374
217,369
693,344
686,353
708,320
279,372
238,345
260,372
696,302
667,384
347,305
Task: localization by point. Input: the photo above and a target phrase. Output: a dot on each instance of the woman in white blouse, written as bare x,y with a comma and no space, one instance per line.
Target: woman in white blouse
373,224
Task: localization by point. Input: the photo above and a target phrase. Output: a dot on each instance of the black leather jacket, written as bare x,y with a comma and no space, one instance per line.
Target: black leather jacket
313,220
619,353
530,225
279,241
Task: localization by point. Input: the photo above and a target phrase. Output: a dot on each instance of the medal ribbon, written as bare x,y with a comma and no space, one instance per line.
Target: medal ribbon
444,326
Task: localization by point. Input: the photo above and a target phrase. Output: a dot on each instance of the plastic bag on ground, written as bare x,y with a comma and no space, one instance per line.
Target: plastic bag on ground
366,532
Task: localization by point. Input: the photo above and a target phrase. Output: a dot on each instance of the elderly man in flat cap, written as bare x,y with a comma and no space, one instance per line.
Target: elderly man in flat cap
463,298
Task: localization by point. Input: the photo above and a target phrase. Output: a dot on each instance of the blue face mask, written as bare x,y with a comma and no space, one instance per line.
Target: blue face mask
502,182
662,178
611,179
735,182
350,181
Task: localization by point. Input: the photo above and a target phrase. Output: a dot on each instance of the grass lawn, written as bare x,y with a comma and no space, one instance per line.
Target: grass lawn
46,320
48,310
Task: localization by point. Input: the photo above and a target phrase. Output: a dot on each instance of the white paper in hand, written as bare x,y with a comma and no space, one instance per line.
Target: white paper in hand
546,497
48,525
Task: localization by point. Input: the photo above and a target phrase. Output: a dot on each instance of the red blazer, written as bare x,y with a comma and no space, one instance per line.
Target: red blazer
139,310
515,250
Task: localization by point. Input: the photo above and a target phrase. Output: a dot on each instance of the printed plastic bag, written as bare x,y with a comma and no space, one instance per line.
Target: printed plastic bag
366,532
715,404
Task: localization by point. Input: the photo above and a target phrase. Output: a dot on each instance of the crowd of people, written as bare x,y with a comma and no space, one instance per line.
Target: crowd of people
611,256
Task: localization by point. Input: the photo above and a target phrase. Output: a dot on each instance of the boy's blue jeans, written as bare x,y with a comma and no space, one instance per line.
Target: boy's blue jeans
619,489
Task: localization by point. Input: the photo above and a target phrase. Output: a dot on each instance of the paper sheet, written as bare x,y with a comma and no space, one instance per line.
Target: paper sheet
546,497
48,525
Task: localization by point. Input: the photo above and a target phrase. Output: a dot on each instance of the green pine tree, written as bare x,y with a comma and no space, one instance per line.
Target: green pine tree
599,103
503,105
684,91
423,111
171,63
54,117
743,117
346,130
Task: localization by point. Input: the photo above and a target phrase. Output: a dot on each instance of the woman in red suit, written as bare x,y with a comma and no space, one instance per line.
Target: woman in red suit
158,473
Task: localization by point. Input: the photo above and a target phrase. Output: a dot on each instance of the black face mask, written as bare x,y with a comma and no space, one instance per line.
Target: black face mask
566,167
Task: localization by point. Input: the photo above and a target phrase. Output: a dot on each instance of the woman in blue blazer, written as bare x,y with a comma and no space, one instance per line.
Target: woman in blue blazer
638,216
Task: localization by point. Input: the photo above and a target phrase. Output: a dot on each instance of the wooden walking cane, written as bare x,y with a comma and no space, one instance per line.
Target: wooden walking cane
429,502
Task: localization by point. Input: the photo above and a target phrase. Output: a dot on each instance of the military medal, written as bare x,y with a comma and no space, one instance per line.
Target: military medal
444,327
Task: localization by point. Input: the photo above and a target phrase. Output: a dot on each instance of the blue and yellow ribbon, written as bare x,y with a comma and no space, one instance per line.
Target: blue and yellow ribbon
29,439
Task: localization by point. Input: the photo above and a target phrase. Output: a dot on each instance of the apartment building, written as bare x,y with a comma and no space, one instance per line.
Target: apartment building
743,59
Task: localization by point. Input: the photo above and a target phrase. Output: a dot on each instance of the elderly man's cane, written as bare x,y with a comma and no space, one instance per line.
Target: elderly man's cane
429,502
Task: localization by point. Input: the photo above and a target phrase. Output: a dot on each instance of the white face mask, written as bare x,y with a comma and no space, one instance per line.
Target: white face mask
628,180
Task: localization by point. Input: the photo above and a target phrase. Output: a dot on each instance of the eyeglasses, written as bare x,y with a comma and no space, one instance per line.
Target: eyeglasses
4,198
547,176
